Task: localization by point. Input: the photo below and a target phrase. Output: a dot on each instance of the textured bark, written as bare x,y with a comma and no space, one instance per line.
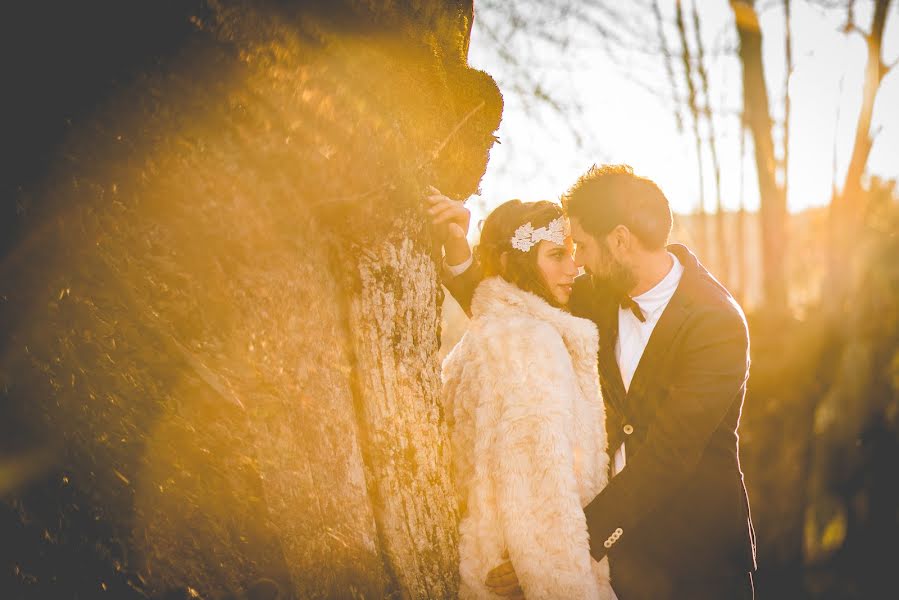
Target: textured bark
395,321
758,118
220,310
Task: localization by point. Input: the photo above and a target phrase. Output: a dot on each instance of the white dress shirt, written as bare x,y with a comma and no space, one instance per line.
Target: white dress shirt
633,334
456,270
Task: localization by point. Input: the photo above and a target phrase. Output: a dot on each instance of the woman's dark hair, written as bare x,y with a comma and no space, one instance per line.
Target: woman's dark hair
611,195
496,239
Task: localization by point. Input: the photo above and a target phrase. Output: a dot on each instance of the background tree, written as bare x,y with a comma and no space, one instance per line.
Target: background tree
722,252
772,198
692,101
847,207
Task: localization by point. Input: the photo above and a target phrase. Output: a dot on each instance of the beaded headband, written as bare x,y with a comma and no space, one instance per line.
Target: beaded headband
526,237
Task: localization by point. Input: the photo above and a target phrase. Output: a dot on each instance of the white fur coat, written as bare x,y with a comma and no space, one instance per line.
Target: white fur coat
529,444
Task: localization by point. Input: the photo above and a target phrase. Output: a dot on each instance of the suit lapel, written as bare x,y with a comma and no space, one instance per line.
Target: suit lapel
670,321
659,344
613,387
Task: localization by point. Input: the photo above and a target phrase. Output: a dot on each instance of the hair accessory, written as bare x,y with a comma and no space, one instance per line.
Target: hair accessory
526,237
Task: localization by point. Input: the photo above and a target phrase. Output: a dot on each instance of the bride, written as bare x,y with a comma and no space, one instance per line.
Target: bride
527,420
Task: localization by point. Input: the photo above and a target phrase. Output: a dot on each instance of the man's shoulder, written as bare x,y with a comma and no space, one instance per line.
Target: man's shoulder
717,317
713,309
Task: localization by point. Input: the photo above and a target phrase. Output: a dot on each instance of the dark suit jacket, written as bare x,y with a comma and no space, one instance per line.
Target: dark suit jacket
678,511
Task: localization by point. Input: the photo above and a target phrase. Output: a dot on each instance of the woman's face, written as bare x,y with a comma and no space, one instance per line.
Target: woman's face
556,264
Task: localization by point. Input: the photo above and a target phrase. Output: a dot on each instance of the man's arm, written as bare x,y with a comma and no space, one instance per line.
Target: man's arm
450,219
702,391
462,286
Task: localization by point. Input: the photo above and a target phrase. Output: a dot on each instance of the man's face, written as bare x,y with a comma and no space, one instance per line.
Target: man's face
586,249
597,259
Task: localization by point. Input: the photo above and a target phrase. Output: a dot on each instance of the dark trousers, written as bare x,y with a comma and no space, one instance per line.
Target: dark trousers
642,582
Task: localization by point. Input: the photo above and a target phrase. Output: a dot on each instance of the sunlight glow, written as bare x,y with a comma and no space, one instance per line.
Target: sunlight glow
624,122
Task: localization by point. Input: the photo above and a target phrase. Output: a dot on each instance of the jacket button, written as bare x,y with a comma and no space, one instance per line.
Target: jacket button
628,429
619,531
607,544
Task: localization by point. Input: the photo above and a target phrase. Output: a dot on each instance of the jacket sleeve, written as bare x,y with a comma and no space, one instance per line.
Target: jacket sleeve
532,464
707,381
462,286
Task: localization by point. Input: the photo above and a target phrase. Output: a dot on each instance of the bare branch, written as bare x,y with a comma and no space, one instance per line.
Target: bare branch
788,43
694,111
669,62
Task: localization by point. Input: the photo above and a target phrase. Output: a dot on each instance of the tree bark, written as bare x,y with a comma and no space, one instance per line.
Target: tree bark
771,195
395,319
669,66
230,343
788,67
693,106
742,268
722,271
847,207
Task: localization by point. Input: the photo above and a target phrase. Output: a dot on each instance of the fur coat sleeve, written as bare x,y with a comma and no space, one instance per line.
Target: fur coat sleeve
532,459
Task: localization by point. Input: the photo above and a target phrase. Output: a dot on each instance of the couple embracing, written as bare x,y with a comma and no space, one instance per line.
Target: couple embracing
594,418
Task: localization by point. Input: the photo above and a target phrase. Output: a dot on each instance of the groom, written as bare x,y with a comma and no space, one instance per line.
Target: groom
673,362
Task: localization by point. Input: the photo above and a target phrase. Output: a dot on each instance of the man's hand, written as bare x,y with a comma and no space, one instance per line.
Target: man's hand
450,219
502,581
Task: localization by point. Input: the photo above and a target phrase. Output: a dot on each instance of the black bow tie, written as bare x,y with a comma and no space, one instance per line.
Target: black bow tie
629,303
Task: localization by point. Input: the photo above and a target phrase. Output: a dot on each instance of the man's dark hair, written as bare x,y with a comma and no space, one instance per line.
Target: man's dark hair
611,195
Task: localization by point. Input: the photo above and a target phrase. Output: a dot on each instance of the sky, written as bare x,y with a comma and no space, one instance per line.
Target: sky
622,121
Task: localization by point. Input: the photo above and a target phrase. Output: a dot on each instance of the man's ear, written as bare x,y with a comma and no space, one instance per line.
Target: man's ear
620,238
504,261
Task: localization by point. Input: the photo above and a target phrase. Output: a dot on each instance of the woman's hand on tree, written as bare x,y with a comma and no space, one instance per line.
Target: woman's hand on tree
450,219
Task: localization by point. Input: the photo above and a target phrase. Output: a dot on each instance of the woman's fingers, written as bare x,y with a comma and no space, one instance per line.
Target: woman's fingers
441,202
438,197
447,213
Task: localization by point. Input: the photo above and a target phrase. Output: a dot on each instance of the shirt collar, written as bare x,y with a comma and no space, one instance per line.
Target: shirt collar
659,296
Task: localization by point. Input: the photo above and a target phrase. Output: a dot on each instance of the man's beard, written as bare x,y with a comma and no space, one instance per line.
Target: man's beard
614,275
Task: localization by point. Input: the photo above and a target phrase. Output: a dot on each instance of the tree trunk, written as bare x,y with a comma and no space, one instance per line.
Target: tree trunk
395,319
771,195
788,68
693,105
742,268
722,271
669,66
847,207
230,346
